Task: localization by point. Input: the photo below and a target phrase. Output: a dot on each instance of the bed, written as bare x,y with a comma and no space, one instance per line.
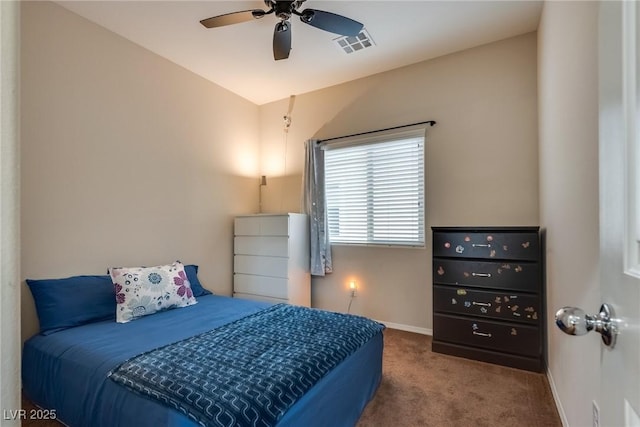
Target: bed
68,369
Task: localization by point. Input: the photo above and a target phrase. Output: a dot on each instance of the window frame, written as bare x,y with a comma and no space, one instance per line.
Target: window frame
381,137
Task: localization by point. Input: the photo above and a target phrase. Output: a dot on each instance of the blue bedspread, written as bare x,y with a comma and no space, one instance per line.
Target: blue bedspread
67,371
251,371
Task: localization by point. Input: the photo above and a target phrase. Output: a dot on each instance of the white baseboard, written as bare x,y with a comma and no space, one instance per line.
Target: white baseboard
554,392
407,328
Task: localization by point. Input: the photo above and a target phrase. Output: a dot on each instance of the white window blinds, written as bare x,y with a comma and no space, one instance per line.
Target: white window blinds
375,191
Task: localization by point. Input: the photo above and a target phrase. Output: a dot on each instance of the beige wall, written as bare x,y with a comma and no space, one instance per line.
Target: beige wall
568,111
481,162
10,343
127,159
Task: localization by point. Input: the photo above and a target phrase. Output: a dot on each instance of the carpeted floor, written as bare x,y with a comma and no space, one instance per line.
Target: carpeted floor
421,388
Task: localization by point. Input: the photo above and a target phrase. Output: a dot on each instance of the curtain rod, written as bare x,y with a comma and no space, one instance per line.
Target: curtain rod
429,122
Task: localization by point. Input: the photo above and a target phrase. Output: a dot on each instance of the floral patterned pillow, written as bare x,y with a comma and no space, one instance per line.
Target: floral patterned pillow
141,291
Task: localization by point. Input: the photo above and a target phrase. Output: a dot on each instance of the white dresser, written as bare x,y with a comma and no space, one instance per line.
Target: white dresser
271,258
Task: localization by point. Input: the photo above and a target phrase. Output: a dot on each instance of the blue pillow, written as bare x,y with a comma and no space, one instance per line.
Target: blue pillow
73,301
196,287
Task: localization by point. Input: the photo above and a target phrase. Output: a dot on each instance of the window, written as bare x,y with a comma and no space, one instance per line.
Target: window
375,190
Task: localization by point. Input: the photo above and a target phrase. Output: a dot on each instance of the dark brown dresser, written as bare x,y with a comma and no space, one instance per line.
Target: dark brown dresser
488,298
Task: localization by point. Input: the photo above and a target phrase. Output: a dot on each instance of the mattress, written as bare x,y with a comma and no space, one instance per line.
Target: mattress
68,370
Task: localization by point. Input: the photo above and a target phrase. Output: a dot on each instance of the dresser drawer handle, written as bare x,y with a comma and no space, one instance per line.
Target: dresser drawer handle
481,274
482,334
484,304
481,245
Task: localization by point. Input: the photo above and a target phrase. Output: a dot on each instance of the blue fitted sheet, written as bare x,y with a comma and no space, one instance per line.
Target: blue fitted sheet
67,370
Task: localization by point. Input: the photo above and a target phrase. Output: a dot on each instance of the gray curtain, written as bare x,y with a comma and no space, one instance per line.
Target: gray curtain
314,205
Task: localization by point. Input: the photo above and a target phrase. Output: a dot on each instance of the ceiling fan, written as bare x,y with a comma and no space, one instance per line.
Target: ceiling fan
326,21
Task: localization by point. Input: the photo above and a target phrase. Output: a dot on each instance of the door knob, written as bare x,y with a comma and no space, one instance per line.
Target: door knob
574,321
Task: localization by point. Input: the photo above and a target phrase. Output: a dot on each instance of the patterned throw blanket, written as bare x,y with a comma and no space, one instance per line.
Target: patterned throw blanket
248,372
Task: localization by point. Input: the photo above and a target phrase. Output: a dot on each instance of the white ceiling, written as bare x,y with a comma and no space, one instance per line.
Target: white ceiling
239,57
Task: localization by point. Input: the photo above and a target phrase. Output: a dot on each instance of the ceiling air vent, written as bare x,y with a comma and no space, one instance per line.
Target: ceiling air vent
350,44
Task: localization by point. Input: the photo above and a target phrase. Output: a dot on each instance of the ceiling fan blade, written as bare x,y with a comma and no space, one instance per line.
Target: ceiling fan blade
233,18
331,22
281,40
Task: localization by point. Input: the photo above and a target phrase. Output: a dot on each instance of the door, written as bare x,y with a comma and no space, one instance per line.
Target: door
619,214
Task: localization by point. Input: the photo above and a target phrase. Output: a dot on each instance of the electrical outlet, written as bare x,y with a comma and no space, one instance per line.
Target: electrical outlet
596,414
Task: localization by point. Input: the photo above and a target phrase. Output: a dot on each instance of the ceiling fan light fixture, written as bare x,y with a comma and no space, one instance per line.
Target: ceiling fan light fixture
284,9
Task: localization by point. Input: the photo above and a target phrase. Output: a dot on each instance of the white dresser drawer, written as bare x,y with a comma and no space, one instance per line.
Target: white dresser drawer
261,245
257,297
261,265
276,225
275,287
